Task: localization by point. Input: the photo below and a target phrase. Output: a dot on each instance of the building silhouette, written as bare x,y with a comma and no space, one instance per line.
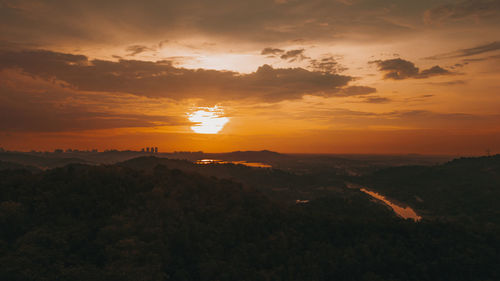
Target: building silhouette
152,149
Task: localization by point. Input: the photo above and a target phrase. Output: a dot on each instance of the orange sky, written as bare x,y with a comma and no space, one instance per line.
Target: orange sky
315,76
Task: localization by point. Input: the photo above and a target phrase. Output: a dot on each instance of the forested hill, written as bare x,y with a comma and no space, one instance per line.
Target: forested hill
275,182
117,223
5,165
465,189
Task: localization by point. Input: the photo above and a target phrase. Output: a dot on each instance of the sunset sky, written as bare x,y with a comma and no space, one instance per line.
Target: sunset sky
309,76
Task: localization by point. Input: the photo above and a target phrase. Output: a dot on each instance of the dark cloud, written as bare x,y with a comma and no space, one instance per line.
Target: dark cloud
450,83
50,119
462,10
272,51
494,46
494,57
433,71
137,49
27,104
290,55
129,22
458,65
356,91
490,47
327,64
399,69
417,98
162,79
376,99
294,55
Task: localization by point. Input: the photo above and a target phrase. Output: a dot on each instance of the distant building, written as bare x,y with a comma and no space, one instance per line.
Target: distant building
151,149
58,150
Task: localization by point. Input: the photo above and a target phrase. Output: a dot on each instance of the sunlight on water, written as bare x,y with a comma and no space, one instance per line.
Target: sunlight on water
406,213
249,164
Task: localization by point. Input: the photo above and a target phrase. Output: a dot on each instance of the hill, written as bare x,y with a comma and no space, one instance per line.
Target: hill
4,165
84,222
40,161
274,182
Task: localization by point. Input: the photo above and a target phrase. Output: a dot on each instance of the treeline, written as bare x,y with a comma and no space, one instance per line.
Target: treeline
118,223
276,183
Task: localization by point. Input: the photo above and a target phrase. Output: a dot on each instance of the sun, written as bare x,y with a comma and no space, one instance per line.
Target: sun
209,120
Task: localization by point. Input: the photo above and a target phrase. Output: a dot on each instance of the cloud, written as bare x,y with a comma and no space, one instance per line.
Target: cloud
449,83
272,51
50,119
494,46
494,57
327,64
462,10
481,49
433,71
102,23
137,49
32,104
376,99
399,69
294,55
163,79
356,91
290,56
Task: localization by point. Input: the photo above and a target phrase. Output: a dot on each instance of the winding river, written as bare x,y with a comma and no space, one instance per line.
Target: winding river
406,212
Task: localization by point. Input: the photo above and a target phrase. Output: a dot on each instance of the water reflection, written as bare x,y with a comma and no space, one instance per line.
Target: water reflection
406,213
249,164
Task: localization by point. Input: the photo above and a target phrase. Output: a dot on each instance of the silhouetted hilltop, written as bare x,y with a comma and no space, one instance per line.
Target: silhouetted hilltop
4,165
39,161
285,185
490,162
317,164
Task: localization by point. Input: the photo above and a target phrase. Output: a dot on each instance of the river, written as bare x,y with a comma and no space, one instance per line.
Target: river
406,212
216,161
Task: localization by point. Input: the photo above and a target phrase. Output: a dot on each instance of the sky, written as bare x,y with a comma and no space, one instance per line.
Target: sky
294,76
